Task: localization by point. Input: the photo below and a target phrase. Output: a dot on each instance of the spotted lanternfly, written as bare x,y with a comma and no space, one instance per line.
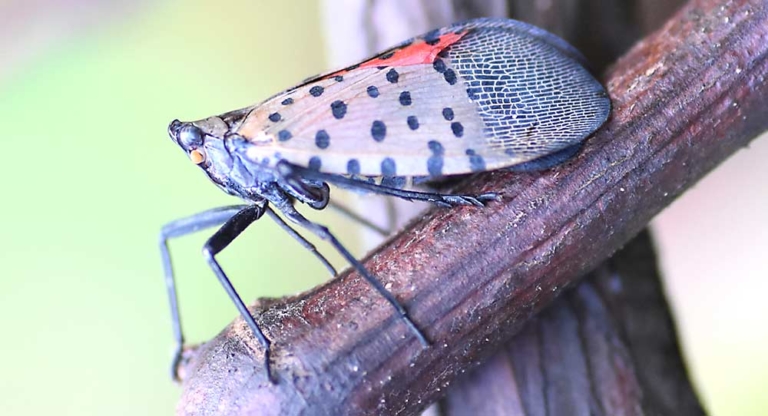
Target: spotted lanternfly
476,96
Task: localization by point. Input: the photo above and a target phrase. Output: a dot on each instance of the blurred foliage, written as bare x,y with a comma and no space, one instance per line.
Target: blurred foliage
92,176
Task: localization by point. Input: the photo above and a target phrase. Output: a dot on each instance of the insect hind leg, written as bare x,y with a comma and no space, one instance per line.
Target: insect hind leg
321,231
218,242
303,241
231,229
179,228
444,200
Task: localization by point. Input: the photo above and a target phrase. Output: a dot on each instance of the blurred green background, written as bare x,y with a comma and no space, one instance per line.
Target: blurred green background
89,176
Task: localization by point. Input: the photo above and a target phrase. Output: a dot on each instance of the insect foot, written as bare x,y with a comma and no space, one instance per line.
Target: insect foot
476,200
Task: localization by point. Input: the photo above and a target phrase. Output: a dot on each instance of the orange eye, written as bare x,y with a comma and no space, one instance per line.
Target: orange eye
197,157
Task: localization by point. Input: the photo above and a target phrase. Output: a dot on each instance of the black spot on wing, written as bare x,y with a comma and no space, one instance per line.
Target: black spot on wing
405,98
322,139
284,135
315,163
435,166
439,65
436,147
353,167
316,91
450,76
373,92
378,130
435,162
274,117
338,109
393,76
476,162
388,167
413,122
474,93
448,113
287,101
457,129
432,37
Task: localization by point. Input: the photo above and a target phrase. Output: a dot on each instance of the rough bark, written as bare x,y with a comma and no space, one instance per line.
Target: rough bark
684,99
593,351
606,347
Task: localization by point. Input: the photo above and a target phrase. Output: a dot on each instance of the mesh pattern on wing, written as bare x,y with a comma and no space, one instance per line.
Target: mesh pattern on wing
532,97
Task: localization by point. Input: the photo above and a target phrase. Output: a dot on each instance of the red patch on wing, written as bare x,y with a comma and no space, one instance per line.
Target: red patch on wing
417,53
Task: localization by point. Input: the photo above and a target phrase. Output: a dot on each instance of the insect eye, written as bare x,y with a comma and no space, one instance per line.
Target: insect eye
173,128
190,137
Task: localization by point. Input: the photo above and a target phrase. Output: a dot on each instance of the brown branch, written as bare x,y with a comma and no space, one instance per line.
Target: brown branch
684,99
606,347
609,346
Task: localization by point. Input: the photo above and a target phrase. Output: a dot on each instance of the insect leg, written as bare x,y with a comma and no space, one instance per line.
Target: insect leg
218,242
303,241
290,212
178,228
444,200
357,218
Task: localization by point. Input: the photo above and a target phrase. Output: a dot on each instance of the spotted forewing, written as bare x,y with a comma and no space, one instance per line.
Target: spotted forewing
476,96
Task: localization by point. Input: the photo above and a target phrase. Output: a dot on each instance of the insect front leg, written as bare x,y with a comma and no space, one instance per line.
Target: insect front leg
178,228
321,231
218,242
235,220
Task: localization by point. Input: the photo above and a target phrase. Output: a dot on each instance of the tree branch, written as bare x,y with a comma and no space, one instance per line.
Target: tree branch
684,99
607,347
